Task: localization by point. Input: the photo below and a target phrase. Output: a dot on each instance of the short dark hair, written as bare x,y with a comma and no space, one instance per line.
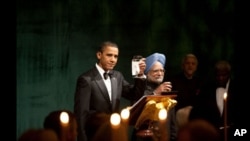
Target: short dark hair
223,65
106,44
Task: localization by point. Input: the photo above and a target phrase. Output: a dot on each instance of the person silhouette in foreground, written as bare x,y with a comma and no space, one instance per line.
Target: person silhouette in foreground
33,134
65,132
198,130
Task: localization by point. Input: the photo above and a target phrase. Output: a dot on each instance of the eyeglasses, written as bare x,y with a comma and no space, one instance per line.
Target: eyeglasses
158,70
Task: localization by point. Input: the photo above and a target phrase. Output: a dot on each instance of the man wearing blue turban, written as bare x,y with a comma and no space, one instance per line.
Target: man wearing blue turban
154,85
151,60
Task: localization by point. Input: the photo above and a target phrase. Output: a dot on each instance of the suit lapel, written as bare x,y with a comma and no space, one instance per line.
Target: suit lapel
114,92
102,87
215,105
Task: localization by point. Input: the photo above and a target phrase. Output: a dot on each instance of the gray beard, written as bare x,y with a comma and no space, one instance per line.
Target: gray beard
157,81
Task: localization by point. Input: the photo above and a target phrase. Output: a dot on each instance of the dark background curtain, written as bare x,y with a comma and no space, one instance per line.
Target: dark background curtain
56,42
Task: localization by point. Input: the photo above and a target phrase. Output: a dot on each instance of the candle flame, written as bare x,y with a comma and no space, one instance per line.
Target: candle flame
225,95
64,117
125,113
115,119
162,114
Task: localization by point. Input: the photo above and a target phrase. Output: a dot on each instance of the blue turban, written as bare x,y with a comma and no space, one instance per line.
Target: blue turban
150,60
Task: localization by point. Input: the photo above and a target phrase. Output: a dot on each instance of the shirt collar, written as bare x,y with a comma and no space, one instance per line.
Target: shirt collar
100,70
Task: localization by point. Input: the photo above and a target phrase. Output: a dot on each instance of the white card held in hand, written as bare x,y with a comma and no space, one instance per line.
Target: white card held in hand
135,65
135,68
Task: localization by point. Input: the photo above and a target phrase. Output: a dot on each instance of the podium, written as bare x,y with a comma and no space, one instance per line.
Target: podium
137,108
146,109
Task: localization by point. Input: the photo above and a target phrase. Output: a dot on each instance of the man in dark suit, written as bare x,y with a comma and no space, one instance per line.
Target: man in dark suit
99,90
187,83
210,104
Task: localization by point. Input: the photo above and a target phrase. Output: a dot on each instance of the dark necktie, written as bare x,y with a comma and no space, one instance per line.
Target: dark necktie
105,74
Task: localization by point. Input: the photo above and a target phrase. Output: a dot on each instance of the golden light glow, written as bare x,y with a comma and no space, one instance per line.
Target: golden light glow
151,102
115,119
225,96
125,114
159,105
64,117
162,114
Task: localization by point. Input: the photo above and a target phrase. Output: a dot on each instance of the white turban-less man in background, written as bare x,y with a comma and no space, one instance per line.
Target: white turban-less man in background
154,85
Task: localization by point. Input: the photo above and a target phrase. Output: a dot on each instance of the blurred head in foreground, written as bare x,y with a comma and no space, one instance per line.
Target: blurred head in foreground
198,130
52,121
38,135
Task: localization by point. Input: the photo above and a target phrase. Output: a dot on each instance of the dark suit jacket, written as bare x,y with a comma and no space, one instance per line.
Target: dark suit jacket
92,105
188,89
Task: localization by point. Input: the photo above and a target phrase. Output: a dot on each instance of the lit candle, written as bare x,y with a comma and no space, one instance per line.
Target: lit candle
125,113
225,116
162,115
64,118
115,120
118,132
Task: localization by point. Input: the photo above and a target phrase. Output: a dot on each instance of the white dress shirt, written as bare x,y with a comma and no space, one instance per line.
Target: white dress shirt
106,81
220,96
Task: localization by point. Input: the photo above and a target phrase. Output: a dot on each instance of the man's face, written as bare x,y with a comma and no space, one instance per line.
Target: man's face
156,73
190,66
108,58
222,76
